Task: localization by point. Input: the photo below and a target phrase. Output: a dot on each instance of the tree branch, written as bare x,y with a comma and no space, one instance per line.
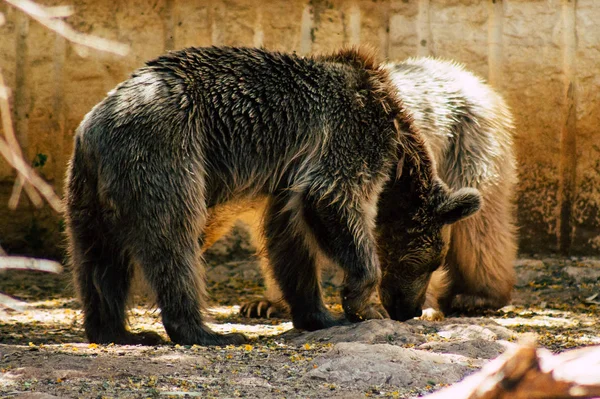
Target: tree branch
50,17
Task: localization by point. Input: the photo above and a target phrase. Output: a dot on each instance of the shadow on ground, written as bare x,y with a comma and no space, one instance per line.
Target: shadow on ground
43,350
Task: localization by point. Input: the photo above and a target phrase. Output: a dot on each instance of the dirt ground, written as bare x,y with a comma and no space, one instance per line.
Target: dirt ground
44,354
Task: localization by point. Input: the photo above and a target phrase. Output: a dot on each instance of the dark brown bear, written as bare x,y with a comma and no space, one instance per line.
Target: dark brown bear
197,129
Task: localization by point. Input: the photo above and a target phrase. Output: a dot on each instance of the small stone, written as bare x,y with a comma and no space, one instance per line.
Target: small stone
594,263
475,348
463,333
220,248
250,275
218,274
581,274
338,278
526,276
529,263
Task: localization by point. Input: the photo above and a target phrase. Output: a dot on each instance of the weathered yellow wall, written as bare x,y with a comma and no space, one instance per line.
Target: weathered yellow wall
529,49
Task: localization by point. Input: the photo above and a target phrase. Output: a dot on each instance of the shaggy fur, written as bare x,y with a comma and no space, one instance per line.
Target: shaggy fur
202,127
468,129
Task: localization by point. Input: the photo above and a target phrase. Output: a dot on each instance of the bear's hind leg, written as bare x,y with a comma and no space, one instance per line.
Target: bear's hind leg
163,241
174,270
103,273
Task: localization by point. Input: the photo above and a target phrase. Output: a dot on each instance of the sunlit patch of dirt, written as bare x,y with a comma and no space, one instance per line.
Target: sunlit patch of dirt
43,349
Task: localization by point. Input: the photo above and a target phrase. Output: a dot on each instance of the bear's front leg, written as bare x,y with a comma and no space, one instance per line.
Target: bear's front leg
292,252
343,232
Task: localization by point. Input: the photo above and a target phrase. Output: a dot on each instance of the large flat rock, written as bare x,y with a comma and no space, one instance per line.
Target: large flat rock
371,331
382,364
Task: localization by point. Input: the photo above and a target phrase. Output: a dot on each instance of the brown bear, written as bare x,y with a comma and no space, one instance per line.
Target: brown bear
319,138
469,131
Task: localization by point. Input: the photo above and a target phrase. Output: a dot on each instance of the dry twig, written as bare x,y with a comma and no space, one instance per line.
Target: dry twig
25,263
12,303
19,262
27,179
51,18
11,151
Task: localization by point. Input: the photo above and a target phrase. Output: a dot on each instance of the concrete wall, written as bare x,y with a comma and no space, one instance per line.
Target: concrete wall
531,50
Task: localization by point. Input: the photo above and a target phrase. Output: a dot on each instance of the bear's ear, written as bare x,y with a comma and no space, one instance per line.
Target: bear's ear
459,205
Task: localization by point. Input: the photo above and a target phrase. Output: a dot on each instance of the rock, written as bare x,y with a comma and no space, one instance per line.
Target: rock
526,276
253,382
475,348
388,364
581,274
590,262
529,263
251,275
220,248
333,275
464,333
529,270
244,237
338,278
552,262
218,274
247,269
370,331
464,328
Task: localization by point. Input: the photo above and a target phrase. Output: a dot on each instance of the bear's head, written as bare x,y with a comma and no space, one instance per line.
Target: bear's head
415,211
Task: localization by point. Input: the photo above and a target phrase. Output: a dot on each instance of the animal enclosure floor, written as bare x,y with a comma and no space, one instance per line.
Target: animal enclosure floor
43,352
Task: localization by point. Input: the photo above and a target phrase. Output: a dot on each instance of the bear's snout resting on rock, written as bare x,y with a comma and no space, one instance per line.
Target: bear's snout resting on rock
194,130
